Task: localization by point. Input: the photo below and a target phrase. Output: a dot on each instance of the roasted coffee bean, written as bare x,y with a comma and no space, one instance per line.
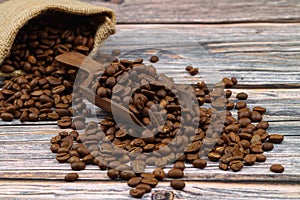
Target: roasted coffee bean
145,187
137,193
213,156
179,165
127,174
223,166
240,105
260,158
276,138
256,116
194,71
267,146
175,173
7,116
188,68
77,166
73,159
159,173
250,159
54,148
236,165
177,184
242,96
259,109
62,157
113,173
199,163
277,168
71,177
150,181
154,59
134,181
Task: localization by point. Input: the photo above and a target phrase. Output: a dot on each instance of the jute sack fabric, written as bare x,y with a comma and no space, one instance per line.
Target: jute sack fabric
14,14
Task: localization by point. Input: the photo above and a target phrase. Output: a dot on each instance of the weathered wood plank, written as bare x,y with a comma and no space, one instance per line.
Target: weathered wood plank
116,190
254,53
29,157
203,11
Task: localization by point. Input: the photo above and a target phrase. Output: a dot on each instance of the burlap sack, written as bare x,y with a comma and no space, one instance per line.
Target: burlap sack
14,14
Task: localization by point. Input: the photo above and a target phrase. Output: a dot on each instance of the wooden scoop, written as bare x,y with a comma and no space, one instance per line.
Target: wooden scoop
93,69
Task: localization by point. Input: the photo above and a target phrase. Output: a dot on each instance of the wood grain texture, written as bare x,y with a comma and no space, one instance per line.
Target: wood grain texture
204,11
115,190
258,54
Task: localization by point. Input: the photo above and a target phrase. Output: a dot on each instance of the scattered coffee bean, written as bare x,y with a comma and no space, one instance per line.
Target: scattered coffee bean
199,163
113,173
154,59
71,177
277,168
194,71
145,187
188,68
268,146
159,174
177,184
77,166
175,173
276,138
242,96
137,193
134,181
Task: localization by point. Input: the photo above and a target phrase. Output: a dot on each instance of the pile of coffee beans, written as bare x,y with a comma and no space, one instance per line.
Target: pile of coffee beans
44,91
127,152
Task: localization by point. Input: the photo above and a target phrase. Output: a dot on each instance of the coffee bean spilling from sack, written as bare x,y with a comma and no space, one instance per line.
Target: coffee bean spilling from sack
242,142
45,91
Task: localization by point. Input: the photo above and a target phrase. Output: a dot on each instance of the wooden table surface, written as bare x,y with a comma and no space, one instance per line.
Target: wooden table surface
256,41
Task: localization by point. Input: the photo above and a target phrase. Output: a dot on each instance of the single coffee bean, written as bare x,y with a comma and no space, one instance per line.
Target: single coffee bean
177,184
188,68
71,177
260,158
7,117
268,146
154,59
250,159
240,105
159,173
150,181
256,116
276,138
134,181
127,174
223,166
54,148
137,193
179,165
62,157
73,159
199,163
277,168
242,96
259,109
113,173
236,165
194,71
175,173
213,156
145,187
77,166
